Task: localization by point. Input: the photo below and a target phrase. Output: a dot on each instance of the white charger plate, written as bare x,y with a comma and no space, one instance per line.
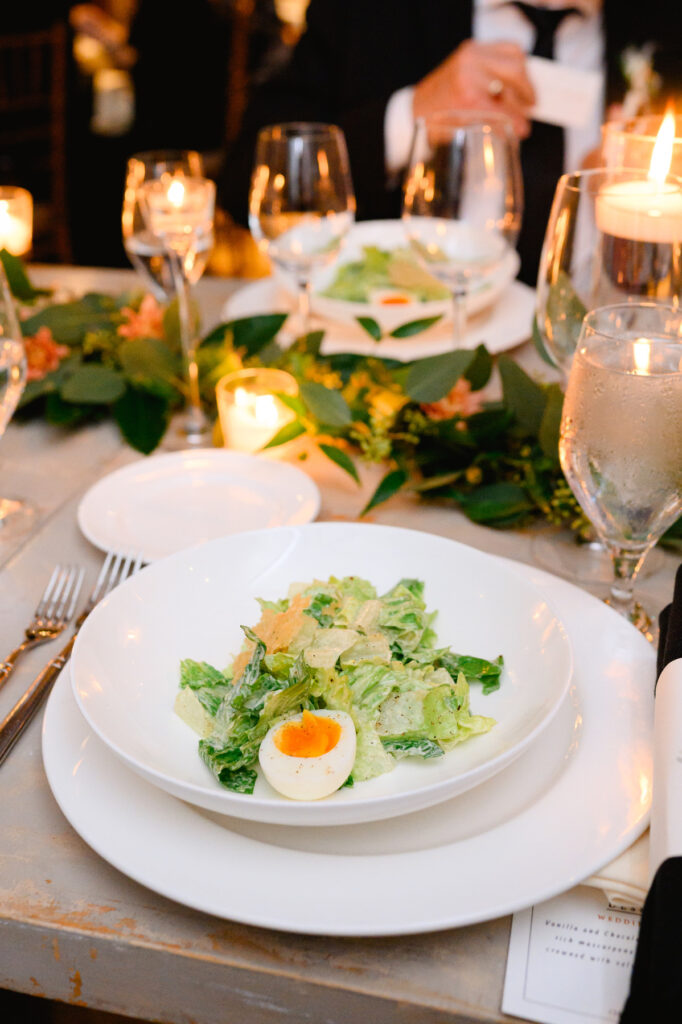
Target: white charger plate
389,235
499,327
164,503
577,798
127,656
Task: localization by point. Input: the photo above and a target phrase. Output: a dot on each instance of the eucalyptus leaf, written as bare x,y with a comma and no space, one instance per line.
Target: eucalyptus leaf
370,325
522,395
389,486
50,383
288,432
431,379
326,405
92,384
495,502
142,418
408,330
312,342
292,402
18,280
479,370
342,460
253,333
147,359
69,322
65,414
548,434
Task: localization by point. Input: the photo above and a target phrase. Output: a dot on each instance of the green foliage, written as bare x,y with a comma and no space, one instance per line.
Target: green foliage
389,486
371,327
408,330
17,278
327,405
341,459
431,379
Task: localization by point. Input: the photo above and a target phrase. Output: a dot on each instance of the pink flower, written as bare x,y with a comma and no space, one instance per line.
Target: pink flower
460,401
43,354
147,322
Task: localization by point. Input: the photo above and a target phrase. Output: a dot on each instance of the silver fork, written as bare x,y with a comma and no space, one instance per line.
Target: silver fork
117,567
55,609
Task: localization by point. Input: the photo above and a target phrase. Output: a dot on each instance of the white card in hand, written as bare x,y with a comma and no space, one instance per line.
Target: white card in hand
564,96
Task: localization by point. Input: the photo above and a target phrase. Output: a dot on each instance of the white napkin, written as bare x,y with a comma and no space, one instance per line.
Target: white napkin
625,881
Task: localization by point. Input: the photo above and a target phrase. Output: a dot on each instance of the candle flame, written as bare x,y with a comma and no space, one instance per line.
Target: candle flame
265,411
642,355
262,407
662,155
176,193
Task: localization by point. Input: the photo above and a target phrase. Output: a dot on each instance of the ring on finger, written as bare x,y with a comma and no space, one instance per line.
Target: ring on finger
495,88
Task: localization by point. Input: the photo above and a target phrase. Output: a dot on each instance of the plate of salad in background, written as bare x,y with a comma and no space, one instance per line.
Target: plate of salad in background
378,276
411,605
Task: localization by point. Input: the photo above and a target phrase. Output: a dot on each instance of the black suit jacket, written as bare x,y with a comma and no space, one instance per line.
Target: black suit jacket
356,53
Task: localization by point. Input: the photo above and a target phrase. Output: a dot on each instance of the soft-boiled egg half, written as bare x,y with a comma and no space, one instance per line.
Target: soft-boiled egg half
310,755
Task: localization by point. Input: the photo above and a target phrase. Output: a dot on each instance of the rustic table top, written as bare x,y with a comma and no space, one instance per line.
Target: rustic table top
75,929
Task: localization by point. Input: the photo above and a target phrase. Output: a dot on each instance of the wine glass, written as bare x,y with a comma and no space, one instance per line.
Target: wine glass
608,239
621,426
301,203
463,200
178,209
146,252
13,513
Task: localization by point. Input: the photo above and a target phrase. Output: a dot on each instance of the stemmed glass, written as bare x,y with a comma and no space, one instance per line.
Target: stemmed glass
301,203
620,435
178,209
13,513
463,200
608,239
146,252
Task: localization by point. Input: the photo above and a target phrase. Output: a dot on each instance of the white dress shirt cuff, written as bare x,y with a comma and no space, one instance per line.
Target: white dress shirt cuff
398,129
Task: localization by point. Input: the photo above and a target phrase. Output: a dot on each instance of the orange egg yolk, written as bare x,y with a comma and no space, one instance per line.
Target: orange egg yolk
313,736
395,300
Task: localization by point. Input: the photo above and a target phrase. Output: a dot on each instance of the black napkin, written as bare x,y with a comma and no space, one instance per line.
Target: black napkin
656,982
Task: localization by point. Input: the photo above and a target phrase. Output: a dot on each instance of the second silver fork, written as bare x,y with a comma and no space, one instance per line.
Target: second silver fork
117,567
55,609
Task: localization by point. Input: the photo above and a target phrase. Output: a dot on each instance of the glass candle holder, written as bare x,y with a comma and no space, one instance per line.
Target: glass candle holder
250,412
630,143
16,219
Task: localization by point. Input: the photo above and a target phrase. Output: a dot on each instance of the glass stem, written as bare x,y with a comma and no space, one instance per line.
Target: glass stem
304,289
196,422
625,567
459,313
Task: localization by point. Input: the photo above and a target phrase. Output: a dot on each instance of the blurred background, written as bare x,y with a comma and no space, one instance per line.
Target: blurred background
84,86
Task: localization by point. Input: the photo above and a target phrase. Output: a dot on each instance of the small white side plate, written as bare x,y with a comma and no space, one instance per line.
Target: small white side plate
164,503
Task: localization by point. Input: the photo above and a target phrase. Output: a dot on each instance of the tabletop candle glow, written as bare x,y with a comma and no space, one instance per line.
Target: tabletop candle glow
16,220
250,411
645,211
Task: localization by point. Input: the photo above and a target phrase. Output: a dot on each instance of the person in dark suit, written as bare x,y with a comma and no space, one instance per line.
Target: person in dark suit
355,56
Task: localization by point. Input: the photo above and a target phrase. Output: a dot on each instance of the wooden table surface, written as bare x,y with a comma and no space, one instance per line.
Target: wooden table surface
73,928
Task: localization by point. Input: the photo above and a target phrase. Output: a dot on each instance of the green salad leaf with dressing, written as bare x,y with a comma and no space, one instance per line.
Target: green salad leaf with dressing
381,270
337,645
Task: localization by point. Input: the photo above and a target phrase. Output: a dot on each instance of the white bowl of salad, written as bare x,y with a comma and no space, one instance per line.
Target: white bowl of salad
377,276
441,661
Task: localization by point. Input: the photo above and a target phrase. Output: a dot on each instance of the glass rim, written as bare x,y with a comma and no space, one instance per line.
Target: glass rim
462,118
236,378
662,307
165,156
284,130
620,126
571,180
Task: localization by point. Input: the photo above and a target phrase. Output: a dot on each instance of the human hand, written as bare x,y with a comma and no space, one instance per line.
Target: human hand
463,81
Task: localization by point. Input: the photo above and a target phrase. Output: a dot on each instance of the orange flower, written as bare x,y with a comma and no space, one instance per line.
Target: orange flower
43,354
147,322
460,401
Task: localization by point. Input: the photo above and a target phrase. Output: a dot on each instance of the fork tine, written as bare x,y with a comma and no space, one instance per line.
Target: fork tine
47,593
68,598
106,566
56,593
